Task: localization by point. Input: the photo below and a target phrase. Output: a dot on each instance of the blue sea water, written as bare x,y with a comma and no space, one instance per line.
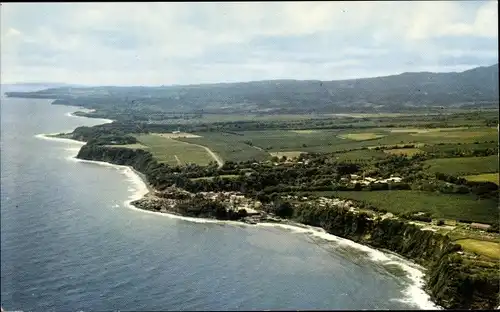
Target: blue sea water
70,241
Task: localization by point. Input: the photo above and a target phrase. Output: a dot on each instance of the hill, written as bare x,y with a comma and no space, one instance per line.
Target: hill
403,92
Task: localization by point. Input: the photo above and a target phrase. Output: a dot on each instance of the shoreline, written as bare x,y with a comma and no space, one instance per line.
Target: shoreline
414,293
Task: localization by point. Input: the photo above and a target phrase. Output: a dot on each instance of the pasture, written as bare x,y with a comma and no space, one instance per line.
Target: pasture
486,248
355,155
485,177
131,146
462,166
446,206
403,151
363,136
173,152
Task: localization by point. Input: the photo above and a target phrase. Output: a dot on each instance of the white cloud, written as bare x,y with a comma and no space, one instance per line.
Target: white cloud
163,43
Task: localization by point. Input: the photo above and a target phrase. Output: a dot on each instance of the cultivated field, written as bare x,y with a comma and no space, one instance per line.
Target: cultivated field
464,165
177,135
174,152
446,206
360,155
361,136
487,248
486,177
403,151
131,146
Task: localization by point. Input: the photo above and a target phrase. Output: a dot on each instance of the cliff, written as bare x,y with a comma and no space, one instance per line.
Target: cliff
454,280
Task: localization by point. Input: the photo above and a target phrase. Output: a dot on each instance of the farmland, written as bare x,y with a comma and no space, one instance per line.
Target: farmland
439,205
486,177
363,136
403,151
487,248
464,165
173,152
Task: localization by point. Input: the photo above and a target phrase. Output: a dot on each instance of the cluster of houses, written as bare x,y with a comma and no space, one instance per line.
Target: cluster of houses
368,180
234,201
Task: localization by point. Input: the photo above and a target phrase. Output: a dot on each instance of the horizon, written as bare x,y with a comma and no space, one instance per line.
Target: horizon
208,43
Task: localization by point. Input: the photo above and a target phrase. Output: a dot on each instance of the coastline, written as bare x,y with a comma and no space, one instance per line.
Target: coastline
414,292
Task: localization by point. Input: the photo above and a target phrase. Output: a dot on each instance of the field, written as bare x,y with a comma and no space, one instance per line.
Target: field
445,206
403,151
464,165
229,147
177,135
422,130
305,131
361,136
360,155
486,177
462,147
131,146
173,152
487,248
257,144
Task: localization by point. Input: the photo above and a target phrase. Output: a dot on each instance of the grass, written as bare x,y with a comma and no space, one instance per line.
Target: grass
485,248
234,147
229,147
167,150
446,206
403,151
464,165
362,136
462,147
360,155
304,131
486,177
131,146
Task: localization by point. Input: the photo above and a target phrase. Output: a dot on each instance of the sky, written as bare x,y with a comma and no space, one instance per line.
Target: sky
189,43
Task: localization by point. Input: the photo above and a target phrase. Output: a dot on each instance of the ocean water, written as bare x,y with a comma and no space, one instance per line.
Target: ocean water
71,241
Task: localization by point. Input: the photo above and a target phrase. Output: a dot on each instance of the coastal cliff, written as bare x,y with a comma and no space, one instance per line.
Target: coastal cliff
454,279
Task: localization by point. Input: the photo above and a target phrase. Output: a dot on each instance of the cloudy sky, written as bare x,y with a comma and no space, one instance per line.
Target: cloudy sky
183,43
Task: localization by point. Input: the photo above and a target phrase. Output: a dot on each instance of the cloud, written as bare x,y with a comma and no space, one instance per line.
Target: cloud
180,43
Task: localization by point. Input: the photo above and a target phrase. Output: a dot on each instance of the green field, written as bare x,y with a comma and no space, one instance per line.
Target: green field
462,147
131,146
228,146
486,248
174,152
445,206
463,165
403,151
360,155
363,136
486,177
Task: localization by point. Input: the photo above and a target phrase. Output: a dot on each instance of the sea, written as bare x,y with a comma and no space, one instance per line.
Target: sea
71,241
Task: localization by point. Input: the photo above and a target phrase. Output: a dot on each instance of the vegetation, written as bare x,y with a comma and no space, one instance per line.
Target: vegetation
464,166
174,152
451,206
486,177
431,160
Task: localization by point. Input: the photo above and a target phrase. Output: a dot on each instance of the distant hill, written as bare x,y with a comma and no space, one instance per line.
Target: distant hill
406,91
29,87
